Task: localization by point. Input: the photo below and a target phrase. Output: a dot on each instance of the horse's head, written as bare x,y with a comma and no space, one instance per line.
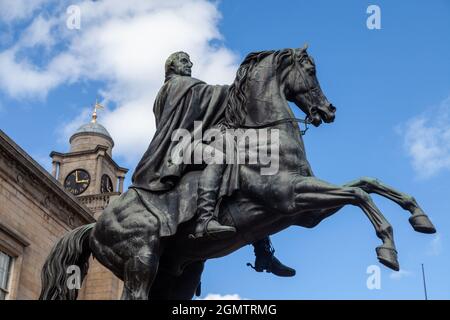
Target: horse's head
302,88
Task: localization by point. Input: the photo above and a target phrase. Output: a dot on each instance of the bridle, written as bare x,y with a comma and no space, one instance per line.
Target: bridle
309,98
305,121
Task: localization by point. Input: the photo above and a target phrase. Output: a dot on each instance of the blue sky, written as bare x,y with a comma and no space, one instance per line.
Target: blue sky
391,88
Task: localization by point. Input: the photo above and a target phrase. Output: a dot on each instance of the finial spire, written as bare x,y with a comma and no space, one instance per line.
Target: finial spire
97,106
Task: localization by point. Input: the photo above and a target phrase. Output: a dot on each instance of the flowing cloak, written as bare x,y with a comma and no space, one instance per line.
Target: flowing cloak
181,101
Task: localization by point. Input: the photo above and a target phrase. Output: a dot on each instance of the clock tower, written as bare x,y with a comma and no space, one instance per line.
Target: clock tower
89,172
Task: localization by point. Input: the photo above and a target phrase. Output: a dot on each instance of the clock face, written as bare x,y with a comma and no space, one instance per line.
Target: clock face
77,181
106,184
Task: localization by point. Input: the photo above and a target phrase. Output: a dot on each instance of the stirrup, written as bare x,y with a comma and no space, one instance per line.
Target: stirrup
203,233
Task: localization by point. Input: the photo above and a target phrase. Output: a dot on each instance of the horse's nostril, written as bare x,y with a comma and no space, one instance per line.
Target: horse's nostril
332,108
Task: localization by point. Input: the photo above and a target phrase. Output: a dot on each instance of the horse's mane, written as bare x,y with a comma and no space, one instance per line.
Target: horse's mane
235,111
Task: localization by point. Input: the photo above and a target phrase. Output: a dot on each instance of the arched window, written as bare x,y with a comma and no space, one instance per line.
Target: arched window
106,185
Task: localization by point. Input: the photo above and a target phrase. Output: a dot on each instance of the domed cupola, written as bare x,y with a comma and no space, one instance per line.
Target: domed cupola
91,135
88,170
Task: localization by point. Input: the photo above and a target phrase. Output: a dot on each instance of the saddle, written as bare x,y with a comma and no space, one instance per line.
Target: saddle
179,204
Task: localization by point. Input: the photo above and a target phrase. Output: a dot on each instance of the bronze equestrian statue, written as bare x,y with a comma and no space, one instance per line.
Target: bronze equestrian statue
150,236
180,102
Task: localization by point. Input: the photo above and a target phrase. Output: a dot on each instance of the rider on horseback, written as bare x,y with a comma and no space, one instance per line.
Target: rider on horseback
156,173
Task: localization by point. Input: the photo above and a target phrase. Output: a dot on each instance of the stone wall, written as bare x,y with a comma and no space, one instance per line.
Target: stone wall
35,212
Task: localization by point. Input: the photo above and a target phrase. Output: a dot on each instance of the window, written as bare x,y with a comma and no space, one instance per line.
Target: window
5,266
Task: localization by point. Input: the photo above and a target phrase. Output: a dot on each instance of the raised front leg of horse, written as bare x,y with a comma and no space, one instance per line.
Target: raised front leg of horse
418,220
311,194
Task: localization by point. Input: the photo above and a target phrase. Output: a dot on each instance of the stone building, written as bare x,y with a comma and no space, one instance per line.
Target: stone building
37,208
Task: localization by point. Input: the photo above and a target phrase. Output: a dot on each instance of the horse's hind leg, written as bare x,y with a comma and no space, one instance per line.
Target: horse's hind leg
419,220
140,271
316,195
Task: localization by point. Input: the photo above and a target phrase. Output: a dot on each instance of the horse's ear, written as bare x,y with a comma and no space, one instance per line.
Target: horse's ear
305,46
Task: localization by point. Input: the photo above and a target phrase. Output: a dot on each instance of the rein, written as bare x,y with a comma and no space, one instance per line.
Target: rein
305,121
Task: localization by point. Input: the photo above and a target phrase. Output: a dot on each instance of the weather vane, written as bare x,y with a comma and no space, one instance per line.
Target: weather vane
97,106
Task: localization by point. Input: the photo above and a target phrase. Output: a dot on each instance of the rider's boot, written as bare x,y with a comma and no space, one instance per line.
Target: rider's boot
266,260
208,190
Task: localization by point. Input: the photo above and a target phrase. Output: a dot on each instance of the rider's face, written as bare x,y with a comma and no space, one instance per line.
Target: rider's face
182,65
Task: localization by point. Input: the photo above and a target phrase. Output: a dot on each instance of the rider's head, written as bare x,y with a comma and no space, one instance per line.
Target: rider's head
178,63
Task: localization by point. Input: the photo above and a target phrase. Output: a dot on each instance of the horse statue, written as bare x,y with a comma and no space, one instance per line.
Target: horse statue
126,238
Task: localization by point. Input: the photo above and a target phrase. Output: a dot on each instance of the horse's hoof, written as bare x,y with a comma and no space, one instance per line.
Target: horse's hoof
421,223
388,257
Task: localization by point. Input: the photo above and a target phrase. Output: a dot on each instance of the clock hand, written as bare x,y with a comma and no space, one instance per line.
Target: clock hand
79,181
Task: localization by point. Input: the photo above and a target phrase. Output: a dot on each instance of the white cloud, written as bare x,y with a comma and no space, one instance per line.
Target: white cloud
435,247
38,33
397,275
11,10
122,44
216,296
24,79
427,140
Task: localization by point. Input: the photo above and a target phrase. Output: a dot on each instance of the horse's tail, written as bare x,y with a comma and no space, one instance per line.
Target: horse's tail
71,253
